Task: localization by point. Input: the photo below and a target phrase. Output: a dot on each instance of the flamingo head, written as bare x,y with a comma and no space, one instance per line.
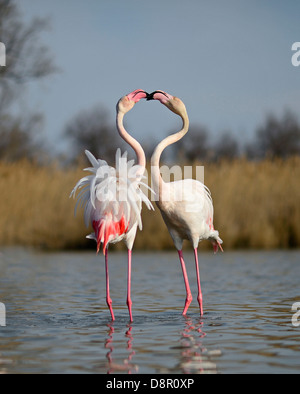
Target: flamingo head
126,103
173,103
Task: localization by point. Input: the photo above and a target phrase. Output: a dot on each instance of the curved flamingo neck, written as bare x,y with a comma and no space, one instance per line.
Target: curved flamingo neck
157,181
141,158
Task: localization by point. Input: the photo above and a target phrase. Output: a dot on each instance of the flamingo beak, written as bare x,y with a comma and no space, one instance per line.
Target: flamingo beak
151,95
140,92
136,95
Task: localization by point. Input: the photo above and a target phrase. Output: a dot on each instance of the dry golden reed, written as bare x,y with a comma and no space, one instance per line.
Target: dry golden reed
257,205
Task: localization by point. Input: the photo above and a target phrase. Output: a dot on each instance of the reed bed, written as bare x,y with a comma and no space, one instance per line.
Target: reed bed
256,206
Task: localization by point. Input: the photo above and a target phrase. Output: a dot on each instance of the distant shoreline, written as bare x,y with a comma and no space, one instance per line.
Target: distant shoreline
257,206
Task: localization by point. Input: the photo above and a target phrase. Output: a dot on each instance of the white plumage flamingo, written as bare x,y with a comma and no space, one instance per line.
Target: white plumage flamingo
112,197
186,205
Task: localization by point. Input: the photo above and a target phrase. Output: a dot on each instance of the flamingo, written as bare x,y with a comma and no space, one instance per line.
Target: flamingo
190,216
112,197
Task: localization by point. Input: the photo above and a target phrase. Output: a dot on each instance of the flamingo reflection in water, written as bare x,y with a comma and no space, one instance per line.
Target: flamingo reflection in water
126,365
196,358
193,355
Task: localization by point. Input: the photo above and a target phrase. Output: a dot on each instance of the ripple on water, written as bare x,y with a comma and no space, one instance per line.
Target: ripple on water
57,319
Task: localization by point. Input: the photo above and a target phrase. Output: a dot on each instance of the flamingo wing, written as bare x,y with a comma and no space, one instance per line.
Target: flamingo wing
112,198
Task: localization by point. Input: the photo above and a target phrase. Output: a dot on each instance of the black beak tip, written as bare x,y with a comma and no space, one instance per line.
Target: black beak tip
150,96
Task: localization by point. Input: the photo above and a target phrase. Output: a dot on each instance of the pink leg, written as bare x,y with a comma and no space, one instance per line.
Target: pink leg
129,302
186,281
199,298
108,299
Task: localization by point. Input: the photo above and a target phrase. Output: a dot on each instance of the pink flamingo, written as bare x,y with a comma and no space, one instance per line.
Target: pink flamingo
191,215
112,196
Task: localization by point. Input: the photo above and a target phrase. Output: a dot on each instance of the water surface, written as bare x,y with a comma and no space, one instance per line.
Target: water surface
57,320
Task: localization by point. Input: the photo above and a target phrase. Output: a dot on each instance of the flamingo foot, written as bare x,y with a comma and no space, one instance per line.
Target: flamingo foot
129,304
109,304
199,298
188,301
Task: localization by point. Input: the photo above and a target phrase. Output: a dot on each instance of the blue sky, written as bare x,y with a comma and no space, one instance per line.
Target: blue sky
229,61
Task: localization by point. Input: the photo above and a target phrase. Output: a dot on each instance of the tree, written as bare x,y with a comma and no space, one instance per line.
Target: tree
92,130
26,60
276,138
195,146
18,138
226,147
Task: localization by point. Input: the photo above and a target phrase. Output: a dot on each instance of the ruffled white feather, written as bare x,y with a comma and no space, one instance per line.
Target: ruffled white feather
112,192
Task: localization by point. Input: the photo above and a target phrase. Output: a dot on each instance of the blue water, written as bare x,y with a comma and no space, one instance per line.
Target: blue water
57,320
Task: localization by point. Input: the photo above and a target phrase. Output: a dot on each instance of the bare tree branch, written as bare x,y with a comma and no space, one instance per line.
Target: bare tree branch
93,130
26,58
